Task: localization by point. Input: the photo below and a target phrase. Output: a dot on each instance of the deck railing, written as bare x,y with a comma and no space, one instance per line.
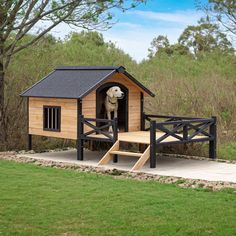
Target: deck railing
178,129
98,126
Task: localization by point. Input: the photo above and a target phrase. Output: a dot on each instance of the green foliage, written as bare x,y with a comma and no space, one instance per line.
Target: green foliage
46,201
205,37
161,45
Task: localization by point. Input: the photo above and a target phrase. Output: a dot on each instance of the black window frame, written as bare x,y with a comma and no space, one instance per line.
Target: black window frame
46,127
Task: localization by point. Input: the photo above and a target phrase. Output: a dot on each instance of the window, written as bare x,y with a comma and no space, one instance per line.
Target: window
52,118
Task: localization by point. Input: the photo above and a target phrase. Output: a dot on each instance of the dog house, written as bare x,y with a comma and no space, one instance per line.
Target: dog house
69,103
56,101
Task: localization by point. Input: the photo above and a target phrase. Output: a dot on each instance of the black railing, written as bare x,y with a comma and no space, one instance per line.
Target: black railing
179,130
98,126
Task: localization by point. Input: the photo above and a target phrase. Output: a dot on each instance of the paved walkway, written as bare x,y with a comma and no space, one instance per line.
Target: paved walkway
166,166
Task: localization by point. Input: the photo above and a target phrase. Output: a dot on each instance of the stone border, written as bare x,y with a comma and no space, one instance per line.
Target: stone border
160,154
179,181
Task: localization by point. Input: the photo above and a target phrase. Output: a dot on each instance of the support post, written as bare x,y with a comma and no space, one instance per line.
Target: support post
29,142
115,137
153,144
185,132
212,143
142,112
80,131
185,137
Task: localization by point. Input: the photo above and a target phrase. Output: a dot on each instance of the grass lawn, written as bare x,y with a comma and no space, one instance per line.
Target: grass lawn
45,201
228,151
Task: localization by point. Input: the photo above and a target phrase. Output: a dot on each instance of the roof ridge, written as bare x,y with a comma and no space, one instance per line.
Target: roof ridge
90,68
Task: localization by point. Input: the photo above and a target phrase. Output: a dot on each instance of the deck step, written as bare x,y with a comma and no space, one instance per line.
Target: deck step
124,153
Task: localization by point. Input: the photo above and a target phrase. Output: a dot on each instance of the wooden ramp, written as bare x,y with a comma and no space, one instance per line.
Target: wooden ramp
115,150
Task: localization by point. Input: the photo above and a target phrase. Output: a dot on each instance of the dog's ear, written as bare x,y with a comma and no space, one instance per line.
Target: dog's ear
110,93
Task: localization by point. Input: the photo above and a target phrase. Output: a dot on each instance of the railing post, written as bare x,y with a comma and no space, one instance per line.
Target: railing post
115,137
212,143
152,144
185,132
29,142
80,130
142,121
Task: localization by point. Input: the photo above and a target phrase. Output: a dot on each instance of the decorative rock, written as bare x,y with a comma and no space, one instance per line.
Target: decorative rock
181,182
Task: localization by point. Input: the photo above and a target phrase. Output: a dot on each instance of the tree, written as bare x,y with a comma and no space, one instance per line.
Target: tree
205,37
221,11
19,17
161,45
158,44
91,37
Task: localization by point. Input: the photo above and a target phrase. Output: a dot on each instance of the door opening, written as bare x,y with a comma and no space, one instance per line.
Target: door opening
122,105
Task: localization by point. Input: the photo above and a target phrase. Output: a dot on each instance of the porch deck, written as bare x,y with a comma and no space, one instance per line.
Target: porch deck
142,137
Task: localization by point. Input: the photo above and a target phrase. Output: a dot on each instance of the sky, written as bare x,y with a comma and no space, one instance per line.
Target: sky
136,28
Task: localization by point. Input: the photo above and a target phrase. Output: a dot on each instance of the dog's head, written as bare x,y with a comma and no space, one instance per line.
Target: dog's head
116,92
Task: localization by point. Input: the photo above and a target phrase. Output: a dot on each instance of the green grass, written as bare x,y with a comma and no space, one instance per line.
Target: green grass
228,151
45,201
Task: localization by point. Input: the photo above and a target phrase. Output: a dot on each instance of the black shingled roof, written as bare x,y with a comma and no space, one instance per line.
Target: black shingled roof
75,81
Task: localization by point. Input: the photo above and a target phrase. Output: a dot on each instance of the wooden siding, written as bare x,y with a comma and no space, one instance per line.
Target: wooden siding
134,116
68,117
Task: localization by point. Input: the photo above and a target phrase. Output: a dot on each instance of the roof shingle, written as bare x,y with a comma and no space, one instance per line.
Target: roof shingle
73,81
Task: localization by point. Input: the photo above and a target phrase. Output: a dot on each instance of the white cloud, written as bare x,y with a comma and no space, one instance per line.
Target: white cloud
183,17
137,42
134,35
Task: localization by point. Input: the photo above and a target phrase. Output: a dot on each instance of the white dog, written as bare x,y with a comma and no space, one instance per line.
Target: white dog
111,102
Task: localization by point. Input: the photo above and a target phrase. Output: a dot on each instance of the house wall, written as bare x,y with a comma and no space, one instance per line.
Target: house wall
68,117
134,116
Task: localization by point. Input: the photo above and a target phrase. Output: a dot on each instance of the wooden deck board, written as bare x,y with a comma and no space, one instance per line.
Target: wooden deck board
140,137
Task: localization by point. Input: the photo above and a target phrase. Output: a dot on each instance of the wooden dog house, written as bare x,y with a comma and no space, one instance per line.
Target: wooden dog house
68,103
81,90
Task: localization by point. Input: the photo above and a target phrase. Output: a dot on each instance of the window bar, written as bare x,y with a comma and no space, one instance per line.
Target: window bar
51,118
56,118
47,125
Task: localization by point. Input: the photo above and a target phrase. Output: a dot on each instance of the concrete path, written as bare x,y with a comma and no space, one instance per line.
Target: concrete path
166,166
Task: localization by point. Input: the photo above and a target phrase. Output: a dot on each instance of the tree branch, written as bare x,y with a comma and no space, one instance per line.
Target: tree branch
16,50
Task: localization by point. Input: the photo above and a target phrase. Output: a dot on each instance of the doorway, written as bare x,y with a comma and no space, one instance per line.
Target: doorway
122,105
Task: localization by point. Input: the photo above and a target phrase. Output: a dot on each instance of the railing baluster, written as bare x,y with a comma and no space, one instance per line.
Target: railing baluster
185,132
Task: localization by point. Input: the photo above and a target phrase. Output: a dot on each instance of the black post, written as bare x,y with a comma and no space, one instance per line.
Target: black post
29,141
153,144
212,143
29,135
115,137
185,132
142,112
80,131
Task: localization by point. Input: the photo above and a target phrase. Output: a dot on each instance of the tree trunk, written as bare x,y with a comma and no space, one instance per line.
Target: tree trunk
2,126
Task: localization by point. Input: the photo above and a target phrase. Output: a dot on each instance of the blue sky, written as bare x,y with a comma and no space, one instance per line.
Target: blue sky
136,28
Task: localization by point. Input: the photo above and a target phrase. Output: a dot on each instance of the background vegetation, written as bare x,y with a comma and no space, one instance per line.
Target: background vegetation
184,84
